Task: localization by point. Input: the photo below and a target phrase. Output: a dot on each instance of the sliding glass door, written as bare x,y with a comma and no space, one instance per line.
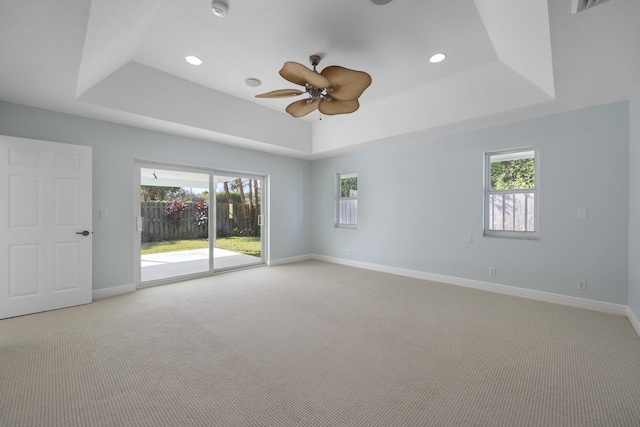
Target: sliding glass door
194,222
174,235
238,237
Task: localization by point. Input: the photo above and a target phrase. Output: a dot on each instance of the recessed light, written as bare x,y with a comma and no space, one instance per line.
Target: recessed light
253,82
380,2
219,9
193,60
437,57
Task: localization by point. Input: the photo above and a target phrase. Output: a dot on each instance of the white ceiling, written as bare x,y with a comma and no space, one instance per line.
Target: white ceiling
123,61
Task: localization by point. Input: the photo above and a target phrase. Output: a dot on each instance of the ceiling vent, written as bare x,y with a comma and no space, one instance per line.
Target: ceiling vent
581,5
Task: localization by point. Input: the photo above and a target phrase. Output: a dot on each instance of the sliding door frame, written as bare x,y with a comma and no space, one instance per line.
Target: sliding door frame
261,219
264,213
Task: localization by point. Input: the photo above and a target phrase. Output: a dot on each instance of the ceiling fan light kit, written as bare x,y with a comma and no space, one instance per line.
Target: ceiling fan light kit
335,90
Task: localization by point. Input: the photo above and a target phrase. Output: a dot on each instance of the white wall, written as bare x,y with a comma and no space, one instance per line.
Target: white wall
634,204
114,149
418,198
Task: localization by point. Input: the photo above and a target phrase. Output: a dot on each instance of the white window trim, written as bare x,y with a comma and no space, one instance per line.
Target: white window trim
525,235
339,177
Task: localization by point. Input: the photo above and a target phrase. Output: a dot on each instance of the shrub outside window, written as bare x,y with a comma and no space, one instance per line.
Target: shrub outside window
511,208
347,206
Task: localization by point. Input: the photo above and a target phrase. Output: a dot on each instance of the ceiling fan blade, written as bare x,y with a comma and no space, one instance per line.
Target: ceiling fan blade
281,93
301,75
347,84
335,106
302,107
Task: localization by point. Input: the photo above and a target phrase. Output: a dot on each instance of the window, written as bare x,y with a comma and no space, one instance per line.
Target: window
511,194
347,206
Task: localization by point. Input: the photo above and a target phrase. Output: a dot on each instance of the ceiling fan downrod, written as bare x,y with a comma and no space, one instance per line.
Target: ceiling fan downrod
317,93
314,60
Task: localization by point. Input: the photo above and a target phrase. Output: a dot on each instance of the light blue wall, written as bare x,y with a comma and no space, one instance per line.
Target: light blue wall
114,149
417,199
634,204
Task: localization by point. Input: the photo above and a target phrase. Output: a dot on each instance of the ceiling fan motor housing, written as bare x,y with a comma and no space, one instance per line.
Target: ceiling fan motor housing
315,93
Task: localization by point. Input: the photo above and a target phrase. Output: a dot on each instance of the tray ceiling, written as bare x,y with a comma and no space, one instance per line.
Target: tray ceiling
123,61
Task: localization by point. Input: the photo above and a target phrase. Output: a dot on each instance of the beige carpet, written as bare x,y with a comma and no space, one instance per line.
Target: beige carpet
316,344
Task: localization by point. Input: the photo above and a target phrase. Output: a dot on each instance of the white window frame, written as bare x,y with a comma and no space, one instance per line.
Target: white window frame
488,192
340,199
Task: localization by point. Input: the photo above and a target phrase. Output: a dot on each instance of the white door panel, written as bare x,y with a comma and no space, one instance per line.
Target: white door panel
46,191
24,280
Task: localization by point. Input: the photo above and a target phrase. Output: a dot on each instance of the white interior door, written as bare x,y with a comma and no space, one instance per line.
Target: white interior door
45,225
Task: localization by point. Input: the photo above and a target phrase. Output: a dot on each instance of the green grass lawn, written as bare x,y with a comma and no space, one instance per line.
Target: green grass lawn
241,244
247,245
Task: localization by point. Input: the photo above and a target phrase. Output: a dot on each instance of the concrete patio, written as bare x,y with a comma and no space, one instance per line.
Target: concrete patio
171,264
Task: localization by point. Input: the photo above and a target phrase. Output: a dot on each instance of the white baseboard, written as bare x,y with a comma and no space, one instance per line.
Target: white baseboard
111,292
633,320
289,260
604,307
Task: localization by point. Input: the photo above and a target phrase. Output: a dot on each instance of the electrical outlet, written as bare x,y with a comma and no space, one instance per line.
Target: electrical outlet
349,252
104,214
492,271
582,285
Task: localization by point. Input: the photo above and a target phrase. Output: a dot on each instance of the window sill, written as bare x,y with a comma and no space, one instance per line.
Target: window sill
512,236
348,227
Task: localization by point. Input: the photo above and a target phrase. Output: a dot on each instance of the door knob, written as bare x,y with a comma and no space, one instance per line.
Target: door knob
84,233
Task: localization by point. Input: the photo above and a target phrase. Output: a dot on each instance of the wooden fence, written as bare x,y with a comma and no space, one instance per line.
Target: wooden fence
511,211
348,212
158,226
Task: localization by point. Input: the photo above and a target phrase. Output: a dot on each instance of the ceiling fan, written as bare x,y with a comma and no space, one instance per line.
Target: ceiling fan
335,90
